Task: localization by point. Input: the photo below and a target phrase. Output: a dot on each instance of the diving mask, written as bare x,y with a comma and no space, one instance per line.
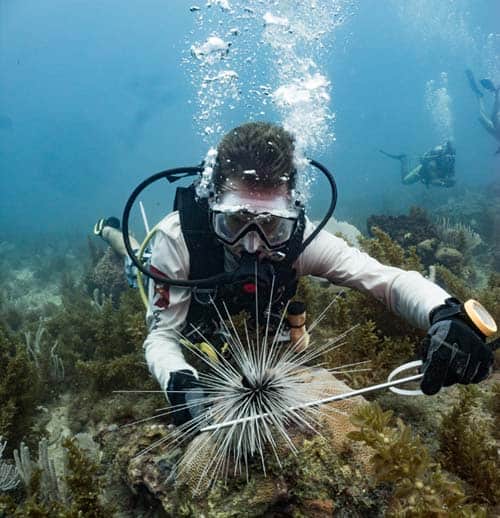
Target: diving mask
230,227
236,216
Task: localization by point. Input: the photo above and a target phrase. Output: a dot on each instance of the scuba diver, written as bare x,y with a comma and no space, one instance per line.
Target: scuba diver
436,167
242,223
491,124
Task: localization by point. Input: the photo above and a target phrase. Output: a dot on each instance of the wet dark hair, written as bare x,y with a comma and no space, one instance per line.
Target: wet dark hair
262,147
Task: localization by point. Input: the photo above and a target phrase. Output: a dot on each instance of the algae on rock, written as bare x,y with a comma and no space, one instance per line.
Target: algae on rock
420,487
469,448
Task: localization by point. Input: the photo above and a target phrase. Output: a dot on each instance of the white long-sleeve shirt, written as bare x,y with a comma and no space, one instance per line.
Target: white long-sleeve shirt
405,293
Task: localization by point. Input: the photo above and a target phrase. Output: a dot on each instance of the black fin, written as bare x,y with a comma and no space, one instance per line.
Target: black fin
488,84
396,157
497,152
472,83
112,222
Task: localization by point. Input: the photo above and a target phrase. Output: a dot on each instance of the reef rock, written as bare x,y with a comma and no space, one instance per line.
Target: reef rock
313,478
108,276
426,250
407,230
449,257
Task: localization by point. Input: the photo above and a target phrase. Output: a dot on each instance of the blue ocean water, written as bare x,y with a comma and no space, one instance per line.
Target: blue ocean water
96,96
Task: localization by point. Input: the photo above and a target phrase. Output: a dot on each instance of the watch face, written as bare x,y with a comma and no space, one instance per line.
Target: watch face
480,316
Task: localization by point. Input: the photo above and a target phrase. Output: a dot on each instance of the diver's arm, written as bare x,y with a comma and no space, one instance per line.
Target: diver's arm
168,306
405,293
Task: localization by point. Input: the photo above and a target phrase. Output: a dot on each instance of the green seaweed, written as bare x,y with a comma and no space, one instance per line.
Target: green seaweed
468,446
420,487
89,334
494,407
452,283
20,390
83,484
387,251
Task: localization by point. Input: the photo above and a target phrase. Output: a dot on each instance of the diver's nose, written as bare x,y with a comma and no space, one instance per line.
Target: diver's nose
251,242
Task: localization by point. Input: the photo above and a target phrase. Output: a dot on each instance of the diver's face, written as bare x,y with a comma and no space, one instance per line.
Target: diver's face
254,220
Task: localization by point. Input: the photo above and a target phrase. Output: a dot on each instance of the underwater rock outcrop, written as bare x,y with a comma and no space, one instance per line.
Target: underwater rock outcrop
477,208
406,230
325,473
107,278
444,242
449,257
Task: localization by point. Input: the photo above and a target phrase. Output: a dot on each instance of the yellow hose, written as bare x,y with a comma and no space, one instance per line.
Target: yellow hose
204,347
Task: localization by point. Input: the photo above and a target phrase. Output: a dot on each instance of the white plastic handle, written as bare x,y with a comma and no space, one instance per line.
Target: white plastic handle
403,368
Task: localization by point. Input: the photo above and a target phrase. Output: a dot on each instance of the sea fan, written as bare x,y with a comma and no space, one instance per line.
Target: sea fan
9,478
458,235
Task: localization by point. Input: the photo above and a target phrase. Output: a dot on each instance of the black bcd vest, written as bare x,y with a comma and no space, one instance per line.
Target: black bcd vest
206,255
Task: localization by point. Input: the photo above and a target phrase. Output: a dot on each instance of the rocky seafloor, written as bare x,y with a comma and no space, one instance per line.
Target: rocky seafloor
71,335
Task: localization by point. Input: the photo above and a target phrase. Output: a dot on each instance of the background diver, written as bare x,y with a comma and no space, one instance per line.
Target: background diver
436,167
491,124
250,217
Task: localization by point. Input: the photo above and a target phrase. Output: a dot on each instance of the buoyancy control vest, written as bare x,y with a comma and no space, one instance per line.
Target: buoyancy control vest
207,258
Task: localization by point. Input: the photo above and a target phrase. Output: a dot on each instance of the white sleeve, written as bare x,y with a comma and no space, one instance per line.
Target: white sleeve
168,306
405,293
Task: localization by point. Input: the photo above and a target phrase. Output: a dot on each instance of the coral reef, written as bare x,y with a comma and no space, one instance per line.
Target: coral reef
476,208
451,471
87,334
42,471
448,243
458,235
408,230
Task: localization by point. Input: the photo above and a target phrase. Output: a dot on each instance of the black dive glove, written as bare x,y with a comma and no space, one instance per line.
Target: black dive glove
185,395
454,350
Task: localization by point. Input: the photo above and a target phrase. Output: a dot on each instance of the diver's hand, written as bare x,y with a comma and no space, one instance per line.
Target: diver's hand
186,396
454,351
